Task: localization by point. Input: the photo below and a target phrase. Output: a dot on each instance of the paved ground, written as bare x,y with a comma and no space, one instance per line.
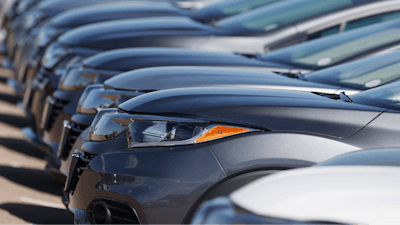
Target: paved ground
27,193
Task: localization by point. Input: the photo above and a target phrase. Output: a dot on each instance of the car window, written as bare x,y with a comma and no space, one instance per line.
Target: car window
233,7
372,20
362,74
325,52
324,33
282,13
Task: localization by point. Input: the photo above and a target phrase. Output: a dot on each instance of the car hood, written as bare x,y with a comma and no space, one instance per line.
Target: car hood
338,194
134,58
98,13
122,33
62,5
160,78
274,110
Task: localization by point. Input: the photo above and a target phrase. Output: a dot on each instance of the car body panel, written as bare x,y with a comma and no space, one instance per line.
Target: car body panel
173,185
266,150
266,109
92,14
153,79
134,58
105,33
340,194
374,157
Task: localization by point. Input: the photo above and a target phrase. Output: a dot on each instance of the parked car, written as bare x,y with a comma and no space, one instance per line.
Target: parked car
348,189
160,154
113,62
335,195
33,51
131,84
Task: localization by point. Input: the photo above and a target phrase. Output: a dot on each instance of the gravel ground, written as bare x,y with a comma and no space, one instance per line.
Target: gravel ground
27,194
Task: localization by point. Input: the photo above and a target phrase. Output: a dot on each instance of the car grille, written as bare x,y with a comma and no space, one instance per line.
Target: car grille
76,130
85,159
56,110
121,213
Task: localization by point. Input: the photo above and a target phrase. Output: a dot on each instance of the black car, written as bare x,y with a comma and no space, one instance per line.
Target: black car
162,153
61,106
131,84
32,54
362,171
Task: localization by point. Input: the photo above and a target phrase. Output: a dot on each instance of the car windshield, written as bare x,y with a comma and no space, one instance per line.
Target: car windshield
386,95
328,51
232,7
361,74
282,13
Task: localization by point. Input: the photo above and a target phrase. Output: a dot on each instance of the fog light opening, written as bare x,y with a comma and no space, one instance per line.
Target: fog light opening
101,213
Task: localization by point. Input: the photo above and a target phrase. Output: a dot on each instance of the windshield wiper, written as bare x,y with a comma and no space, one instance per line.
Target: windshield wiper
301,76
345,98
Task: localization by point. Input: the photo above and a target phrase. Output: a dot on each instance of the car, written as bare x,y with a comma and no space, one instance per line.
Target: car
161,153
325,193
131,84
32,54
340,48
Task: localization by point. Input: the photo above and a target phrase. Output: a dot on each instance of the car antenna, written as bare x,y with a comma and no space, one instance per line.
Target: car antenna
345,98
301,76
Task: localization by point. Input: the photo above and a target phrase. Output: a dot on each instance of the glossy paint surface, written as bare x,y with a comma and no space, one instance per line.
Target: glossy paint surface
179,179
267,109
160,78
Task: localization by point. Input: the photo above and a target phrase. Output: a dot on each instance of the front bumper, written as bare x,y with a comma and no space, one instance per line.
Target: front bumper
58,108
74,138
35,95
161,185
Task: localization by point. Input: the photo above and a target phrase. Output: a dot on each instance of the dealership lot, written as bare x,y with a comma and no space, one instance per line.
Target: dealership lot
28,194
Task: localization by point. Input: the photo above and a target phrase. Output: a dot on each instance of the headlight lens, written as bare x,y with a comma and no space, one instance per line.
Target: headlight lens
46,34
96,98
33,18
53,55
149,130
78,78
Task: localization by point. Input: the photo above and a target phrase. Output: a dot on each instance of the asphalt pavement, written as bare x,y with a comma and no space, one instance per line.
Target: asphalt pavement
28,195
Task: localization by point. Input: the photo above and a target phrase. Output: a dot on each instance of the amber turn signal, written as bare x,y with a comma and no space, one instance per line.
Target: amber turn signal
220,132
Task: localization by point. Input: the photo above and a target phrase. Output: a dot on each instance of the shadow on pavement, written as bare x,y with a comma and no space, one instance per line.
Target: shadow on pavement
16,121
31,178
3,79
10,98
39,214
22,146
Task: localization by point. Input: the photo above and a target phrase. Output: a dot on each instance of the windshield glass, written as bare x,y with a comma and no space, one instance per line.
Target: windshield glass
388,94
362,74
232,7
282,13
325,52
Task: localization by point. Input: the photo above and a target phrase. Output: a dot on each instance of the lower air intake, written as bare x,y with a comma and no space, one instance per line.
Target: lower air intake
106,211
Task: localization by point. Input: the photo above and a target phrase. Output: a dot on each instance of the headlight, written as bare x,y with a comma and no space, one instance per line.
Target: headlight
33,18
149,130
78,78
46,35
96,98
53,55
